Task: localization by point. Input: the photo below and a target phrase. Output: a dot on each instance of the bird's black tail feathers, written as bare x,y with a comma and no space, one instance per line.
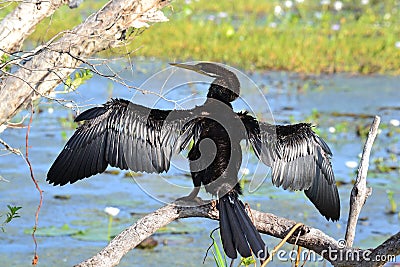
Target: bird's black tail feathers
238,232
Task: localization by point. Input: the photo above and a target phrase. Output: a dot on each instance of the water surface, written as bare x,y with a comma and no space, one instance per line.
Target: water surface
290,98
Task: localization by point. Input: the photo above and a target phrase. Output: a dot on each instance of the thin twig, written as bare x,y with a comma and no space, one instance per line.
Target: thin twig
10,148
360,191
35,256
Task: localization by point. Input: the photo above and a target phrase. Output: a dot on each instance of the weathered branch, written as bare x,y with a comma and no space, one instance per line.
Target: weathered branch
360,191
10,148
54,61
21,22
311,238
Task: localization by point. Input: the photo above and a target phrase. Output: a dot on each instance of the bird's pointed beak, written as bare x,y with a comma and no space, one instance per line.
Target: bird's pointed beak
194,68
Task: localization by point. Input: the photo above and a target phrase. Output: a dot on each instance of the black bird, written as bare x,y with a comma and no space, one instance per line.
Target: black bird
131,136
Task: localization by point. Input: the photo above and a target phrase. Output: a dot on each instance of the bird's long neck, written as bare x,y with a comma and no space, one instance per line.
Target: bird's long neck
220,93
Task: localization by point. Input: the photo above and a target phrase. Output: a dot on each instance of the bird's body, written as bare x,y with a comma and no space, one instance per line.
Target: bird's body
130,136
216,156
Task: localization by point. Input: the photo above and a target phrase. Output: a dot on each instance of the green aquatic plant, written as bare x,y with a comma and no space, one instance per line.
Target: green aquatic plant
67,123
111,212
382,165
64,230
314,116
392,202
342,127
10,215
247,261
218,254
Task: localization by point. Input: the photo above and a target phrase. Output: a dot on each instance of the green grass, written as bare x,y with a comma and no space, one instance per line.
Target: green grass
307,37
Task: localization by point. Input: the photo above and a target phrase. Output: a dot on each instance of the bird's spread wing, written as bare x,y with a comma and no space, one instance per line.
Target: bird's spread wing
300,160
123,135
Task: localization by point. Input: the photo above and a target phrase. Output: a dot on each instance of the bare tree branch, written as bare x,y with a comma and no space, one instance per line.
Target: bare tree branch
21,22
335,251
10,148
267,223
360,191
56,60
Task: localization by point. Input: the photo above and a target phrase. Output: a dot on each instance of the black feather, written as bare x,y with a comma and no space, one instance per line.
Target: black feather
300,160
225,230
123,135
237,230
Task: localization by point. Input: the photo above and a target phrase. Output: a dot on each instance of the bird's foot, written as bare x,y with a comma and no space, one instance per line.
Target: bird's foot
192,197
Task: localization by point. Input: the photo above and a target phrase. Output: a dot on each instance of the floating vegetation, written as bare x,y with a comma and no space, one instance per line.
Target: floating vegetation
148,243
64,230
177,240
130,174
181,229
392,202
68,123
112,172
382,165
362,130
63,197
98,233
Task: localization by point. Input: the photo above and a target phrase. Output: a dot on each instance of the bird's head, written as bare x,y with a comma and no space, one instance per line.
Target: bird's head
226,85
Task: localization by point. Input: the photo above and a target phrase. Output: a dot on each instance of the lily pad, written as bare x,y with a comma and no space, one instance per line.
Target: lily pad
132,174
97,234
372,240
178,229
62,197
54,231
91,223
173,240
112,172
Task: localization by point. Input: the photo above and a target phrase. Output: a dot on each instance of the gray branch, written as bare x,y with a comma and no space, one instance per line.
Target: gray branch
10,148
51,63
21,22
267,223
360,191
